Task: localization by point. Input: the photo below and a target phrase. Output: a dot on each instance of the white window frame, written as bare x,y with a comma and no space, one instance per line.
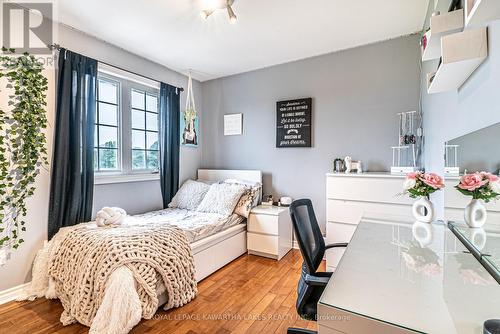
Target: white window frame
127,82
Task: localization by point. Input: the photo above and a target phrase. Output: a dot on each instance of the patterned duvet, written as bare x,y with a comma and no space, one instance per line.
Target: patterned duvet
196,225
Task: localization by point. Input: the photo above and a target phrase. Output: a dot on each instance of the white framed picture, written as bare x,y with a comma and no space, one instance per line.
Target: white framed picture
233,124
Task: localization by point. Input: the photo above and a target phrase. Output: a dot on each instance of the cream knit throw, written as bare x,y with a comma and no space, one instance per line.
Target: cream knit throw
88,256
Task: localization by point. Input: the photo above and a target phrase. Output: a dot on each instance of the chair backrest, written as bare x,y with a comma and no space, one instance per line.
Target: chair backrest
309,237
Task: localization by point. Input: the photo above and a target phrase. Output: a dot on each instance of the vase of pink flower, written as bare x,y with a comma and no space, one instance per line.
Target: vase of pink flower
421,185
482,187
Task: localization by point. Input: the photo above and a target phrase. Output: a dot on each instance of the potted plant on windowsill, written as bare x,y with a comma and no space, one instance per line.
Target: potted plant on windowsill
482,187
421,185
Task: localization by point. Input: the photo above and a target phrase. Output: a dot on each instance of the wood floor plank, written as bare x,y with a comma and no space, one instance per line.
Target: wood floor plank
252,294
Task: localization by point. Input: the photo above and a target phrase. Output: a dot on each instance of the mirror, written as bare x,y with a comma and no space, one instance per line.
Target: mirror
476,151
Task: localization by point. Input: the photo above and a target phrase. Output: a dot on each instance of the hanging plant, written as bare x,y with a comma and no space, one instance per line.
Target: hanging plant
22,141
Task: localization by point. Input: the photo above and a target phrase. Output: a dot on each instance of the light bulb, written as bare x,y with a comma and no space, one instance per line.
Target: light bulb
206,13
232,16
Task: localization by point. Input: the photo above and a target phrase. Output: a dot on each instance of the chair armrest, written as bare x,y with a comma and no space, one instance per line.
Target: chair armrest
340,244
316,280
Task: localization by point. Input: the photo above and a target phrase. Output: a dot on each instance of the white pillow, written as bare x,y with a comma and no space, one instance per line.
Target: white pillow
255,186
190,195
221,198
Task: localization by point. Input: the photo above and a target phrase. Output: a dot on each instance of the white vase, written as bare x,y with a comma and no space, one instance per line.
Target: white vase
422,232
423,210
475,214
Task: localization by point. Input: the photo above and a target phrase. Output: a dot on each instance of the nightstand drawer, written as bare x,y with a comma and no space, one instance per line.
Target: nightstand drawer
265,224
262,243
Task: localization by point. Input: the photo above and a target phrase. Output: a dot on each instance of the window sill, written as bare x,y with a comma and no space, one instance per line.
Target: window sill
124,178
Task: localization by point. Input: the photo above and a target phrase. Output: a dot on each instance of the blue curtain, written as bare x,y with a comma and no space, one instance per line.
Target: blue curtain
169,141
72,179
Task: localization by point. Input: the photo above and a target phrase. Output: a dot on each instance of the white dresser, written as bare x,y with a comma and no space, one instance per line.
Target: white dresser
348,196
269,231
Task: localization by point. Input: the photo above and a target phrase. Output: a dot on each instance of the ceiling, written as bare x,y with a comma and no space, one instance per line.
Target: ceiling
268,32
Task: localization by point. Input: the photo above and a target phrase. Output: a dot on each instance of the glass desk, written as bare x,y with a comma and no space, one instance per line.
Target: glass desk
397,276
484,243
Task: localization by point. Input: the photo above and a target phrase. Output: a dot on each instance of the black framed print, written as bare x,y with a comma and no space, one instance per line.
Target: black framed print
294,123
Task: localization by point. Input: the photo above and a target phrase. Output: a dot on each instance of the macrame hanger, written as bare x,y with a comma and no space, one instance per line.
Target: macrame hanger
190,96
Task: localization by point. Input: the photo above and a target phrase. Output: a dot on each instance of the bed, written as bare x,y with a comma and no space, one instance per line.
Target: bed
213,240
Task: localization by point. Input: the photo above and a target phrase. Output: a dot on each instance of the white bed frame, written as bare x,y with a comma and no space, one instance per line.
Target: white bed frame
214,252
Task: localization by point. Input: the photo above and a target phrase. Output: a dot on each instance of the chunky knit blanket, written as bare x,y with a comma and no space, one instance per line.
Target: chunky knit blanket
87,256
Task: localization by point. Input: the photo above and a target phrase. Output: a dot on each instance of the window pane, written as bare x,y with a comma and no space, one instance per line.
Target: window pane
138,139
151,103
152,159
108,159
108,91
151,121
96,140
138,159
108,136
152,140
96,161
137,99
138,119
108,114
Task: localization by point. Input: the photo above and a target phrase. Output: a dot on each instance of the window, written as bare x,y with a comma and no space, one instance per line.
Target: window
144,130
126,126
106,150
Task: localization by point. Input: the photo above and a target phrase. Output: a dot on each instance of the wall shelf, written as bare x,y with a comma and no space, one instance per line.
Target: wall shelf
441,25
478,12
462,54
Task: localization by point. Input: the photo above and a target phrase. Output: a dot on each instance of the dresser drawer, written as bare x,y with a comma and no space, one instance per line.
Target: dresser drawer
351,212
266,224
365,188
263,243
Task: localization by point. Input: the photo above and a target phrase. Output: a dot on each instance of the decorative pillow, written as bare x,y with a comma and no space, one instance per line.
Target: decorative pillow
190,195
248,200
221,198
249,184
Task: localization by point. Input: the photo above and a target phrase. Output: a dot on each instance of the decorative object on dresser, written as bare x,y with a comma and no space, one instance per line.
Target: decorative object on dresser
350,196
420,185
268,200
481,187
405,155
338,165
351,165
294,123
269,232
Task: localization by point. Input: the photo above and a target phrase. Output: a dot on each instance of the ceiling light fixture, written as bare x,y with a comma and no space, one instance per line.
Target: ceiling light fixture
212,5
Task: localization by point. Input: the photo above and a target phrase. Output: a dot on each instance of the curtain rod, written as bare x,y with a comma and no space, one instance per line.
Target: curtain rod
58,48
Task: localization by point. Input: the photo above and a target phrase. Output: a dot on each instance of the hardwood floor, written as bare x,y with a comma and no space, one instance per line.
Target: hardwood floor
250,295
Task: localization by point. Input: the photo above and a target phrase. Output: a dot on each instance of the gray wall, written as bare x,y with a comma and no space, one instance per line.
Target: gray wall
134,197
453,114
356,96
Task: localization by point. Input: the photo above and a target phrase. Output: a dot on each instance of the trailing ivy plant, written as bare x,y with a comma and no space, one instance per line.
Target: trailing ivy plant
22,140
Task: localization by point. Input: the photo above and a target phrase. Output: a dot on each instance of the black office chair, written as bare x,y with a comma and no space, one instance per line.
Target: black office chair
312,246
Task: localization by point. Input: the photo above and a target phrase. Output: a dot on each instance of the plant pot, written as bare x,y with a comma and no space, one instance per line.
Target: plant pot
423,210
475,214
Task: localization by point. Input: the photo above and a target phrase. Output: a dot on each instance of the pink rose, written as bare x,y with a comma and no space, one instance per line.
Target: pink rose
433,180
413,175
490,177
472,182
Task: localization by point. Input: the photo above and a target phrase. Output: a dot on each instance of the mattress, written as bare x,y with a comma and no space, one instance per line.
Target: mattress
196,225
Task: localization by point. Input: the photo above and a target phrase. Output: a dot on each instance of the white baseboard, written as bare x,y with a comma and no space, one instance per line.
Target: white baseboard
12,293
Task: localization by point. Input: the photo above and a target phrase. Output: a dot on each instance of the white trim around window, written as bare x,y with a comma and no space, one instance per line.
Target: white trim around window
100,179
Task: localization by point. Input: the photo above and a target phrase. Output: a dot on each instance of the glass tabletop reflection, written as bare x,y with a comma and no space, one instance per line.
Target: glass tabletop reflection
415,276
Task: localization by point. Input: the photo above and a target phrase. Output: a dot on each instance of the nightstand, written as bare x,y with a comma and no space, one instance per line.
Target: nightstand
269,231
